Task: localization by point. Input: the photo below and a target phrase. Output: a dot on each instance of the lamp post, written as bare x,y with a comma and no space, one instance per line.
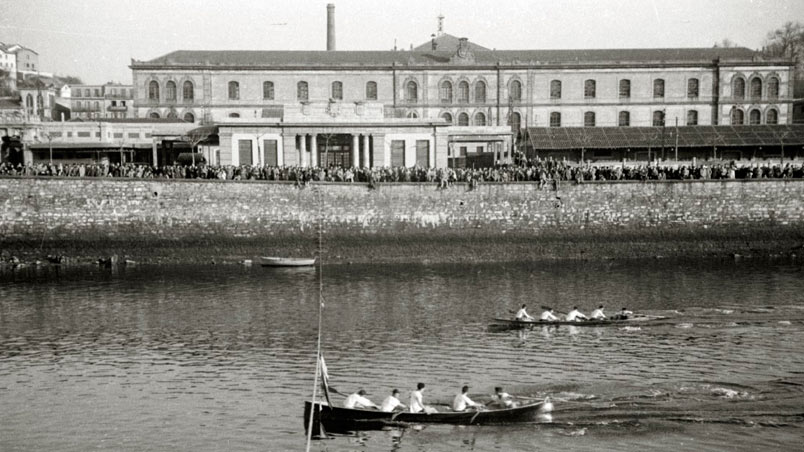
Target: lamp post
782,136
49,139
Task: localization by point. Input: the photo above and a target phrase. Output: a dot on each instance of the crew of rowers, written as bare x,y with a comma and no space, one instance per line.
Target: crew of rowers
461,402
573,316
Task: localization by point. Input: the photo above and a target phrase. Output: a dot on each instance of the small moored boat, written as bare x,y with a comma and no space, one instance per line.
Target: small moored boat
267,261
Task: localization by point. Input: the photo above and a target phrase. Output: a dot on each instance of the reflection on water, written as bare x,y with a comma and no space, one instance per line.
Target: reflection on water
220,358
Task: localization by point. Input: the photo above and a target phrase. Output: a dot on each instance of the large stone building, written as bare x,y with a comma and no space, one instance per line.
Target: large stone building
447,99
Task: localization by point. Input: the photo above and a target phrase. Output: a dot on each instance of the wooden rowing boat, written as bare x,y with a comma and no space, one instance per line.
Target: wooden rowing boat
341,420
267,261
522,324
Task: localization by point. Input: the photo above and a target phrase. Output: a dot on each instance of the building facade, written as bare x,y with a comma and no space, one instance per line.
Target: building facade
467,94
110,100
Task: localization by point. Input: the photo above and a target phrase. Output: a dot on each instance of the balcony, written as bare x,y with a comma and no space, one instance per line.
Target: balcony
117,108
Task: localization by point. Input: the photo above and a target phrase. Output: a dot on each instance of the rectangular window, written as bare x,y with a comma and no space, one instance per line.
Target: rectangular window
69,134
692,88
397,153
55,134
269,153
423,153
133,135
462,151
244,151
84,134
97,134
118,134
147,134
589,89
692,118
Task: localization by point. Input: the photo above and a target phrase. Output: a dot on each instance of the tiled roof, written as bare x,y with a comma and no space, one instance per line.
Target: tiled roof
642,137
294,58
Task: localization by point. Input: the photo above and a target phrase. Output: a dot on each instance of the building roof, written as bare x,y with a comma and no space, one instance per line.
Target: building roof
446,42
320,58
642,137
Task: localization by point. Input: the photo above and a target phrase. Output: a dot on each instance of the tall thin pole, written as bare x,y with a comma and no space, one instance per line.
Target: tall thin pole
320,317
676,139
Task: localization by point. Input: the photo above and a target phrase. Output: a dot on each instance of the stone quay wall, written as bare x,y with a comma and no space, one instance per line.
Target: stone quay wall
188,220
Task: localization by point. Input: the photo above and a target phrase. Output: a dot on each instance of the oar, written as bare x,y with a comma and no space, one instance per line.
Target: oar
547,308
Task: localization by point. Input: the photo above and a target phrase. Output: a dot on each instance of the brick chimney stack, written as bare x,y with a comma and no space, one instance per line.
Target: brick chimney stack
331,26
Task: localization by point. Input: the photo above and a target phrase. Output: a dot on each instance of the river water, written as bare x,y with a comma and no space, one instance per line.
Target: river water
219,358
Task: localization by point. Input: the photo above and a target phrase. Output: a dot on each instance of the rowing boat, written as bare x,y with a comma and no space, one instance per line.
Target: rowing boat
267,261
521,324
341,420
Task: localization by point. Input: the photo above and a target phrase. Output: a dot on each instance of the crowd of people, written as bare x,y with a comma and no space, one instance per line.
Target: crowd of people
461,401
543,171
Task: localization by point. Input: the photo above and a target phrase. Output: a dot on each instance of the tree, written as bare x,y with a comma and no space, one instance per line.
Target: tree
786,42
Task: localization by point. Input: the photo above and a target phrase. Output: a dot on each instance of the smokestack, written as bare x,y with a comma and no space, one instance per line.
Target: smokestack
331,26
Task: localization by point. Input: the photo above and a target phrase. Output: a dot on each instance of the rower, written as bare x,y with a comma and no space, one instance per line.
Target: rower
392,402
462,401
501,399
547,316
575,315
417,401
623,315
523,316
597,314
358,400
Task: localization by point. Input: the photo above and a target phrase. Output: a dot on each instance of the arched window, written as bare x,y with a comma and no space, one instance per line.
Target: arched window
658,88
658,118
589,119
97,106
337,90
371,91
412,92
445,92
170,91
773,88
737,117
40,102
268,90
480,119
463,92
555,89
692,118
515,91
154,115
153,90
234,90
234,115
480,92
756,88
29,101
738,88
516,122
78,105
555,119
692,88
589,89
413,115
624,119
302,94
188,91
772,117
87,93
463,119
447,117
625,89
189,117
172,115
754,117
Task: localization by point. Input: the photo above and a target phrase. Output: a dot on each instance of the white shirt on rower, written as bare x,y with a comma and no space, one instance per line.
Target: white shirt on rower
502,399
575,315
548,316
390,403
358,401
597,314
461,401
416,401
522,314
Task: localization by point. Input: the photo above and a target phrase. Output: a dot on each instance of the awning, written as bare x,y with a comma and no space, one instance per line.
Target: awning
643,137
91,145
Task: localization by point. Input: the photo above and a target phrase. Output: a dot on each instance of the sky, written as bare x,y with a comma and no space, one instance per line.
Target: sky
96,39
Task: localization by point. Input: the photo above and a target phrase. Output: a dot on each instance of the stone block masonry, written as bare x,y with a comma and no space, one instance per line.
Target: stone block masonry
227,221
